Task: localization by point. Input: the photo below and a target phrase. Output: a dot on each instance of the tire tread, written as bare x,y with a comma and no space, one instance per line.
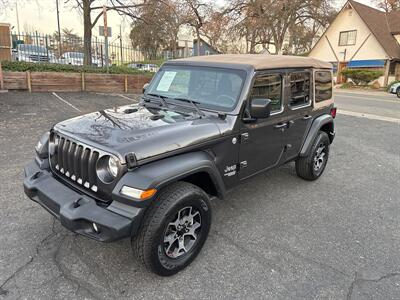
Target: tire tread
142,242
304,165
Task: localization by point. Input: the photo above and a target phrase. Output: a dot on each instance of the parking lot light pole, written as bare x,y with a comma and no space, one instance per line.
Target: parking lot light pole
120,45
59,29
16,10
105,35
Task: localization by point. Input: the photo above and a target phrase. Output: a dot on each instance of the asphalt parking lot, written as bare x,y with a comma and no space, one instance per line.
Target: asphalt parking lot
276,236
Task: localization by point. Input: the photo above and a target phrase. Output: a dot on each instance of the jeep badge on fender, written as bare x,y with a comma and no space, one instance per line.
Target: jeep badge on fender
147,171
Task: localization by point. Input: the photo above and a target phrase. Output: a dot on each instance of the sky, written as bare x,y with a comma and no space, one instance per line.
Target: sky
40,15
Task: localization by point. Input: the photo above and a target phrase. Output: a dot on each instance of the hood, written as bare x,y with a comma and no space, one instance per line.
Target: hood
139,130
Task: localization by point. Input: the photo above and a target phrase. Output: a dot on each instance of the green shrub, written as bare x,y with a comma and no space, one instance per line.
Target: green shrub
347,85
20,66
390,84
361,76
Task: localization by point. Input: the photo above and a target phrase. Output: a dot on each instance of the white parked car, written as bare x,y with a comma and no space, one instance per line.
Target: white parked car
150,68
99,62
395,89
33,53
72,58
77,59
137,66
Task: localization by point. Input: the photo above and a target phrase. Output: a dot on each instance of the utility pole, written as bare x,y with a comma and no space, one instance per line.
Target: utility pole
120,45
59,29
105,35
16,9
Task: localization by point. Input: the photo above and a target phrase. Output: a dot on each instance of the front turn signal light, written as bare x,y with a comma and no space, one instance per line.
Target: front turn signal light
136,193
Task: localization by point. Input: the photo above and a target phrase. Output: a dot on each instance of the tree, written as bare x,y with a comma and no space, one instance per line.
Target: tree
248,25
308,27
157,27
71,42
172,16
388,5
262,22
214,29
196,11
87,7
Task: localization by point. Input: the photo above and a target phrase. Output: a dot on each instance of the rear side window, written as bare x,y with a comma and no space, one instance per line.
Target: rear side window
323,86
300,88
269,87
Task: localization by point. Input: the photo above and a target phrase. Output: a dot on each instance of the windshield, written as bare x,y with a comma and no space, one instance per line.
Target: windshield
213,88
31,48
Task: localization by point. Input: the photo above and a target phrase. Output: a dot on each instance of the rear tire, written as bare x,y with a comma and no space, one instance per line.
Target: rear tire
398,92
174,229
312,166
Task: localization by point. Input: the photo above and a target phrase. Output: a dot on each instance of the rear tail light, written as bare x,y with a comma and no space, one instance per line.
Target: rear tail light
333,112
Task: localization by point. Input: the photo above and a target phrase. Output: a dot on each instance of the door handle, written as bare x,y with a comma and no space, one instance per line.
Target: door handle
280,126
307,117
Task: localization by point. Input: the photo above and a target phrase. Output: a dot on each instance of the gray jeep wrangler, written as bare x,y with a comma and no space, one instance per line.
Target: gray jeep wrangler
147,171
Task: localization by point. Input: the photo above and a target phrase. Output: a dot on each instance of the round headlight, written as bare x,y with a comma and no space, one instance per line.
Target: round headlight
107,168
113,166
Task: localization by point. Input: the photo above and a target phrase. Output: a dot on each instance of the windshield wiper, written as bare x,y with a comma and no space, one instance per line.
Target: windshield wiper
194,103
161,97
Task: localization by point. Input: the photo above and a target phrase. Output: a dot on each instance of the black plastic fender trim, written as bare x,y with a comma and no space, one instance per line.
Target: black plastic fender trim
312,133
160,173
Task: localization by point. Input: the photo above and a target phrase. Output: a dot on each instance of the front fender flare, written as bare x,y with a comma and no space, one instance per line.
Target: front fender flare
312,133
160,173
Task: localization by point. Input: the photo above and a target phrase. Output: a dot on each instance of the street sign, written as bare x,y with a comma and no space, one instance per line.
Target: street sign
102,33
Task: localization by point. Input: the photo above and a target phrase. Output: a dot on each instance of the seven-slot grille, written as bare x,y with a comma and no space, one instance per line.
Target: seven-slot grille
74,161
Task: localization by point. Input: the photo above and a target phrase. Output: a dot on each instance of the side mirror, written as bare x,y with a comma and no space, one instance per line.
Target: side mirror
146,85
260,108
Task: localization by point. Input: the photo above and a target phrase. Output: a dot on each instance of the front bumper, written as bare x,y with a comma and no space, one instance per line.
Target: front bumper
77,212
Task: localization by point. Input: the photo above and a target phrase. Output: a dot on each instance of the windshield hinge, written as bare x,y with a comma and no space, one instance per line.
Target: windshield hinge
131,160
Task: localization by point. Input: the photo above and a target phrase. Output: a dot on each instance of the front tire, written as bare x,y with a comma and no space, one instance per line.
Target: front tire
398,92
312,166
174,229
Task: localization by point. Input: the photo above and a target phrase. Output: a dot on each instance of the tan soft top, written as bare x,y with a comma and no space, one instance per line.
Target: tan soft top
260,61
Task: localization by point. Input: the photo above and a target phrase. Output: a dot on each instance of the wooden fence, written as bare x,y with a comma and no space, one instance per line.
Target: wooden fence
74,82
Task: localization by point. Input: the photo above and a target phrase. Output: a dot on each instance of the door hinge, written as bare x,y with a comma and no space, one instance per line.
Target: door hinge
244,137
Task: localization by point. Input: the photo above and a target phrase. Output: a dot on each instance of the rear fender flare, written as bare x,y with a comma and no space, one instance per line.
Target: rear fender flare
312,133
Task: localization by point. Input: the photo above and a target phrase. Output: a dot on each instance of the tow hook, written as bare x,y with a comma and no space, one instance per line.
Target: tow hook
76,203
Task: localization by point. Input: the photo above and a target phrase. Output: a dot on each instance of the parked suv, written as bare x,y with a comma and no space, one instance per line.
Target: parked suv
203,125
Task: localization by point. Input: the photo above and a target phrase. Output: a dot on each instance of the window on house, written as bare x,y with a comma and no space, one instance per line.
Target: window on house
323,86
269,87
207,52
347,38
300,89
